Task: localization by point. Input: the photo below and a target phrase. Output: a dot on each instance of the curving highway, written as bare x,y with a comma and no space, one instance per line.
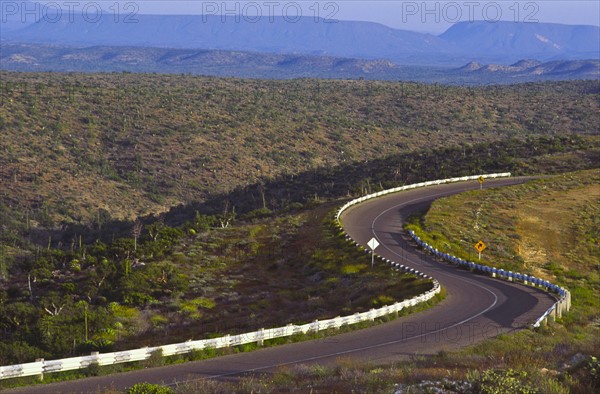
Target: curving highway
476,307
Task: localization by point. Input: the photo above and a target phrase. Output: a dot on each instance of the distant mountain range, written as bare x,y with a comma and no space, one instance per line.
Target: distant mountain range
33,57
533,69
507,42
486,42
36,57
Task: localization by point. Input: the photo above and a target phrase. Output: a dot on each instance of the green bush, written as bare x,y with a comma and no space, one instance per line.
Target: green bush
502,382
16,352
156,359
258,213
148,388
93,369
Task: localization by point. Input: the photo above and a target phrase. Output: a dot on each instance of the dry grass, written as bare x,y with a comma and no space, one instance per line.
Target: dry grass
549,228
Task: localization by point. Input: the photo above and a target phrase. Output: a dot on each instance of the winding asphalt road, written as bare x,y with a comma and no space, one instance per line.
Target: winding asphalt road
476,307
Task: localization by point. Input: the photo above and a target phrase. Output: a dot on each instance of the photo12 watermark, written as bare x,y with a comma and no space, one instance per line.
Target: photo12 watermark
130,11
68,11
253,12
428,12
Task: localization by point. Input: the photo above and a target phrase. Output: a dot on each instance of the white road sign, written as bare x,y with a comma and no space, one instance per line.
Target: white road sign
373,244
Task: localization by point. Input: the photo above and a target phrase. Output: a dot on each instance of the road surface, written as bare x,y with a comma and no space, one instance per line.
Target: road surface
476,307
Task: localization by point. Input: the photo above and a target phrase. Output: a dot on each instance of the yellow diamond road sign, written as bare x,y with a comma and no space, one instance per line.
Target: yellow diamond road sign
481,179
480,246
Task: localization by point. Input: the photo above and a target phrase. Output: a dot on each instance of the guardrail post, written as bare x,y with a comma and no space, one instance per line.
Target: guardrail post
96,355
261,337
553,314
316,326
41,375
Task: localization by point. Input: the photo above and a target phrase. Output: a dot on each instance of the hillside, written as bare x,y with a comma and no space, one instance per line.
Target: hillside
558,69
78,146
31,57
175,284
547,228
36,57
97,170
559,358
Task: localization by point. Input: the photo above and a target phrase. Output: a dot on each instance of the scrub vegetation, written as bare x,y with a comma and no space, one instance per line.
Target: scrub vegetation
137,207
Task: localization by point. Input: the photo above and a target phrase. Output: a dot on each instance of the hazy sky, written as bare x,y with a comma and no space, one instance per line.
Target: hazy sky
429,16
417,15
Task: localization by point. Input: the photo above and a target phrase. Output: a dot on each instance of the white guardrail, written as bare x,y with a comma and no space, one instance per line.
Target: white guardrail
556,310
41,367
564,296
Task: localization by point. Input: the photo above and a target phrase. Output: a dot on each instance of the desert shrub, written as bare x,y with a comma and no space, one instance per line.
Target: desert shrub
148,388
156,359
503,381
